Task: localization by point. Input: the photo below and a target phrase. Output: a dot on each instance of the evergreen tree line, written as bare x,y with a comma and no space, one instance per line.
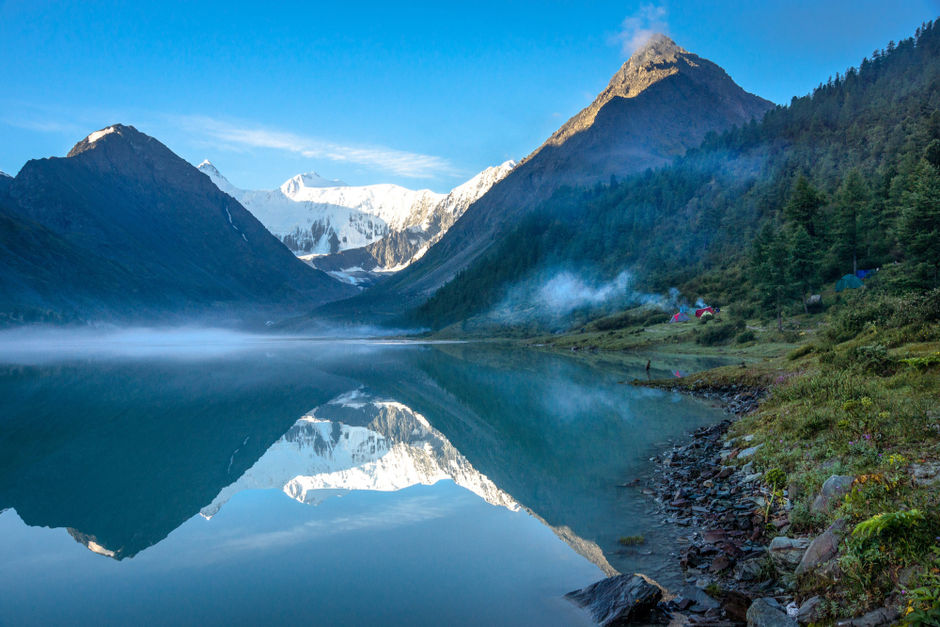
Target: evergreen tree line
845,178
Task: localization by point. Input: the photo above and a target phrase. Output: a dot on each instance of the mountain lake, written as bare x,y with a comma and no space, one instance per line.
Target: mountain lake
190,477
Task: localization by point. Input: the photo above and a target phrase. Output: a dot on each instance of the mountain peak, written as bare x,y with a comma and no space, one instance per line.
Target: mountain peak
658,46
295,185
658,59
115,130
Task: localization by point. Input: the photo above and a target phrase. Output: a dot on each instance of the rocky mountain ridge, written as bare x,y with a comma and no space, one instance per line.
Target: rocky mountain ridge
385,225
123,228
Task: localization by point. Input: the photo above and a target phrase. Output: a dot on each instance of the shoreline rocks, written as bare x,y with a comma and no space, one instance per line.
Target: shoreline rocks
618,600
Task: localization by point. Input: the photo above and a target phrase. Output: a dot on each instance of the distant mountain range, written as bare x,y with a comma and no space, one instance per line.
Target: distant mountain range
357,233
663,101
122,228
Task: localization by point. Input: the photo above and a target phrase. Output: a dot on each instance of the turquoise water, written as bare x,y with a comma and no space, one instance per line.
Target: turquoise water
193,479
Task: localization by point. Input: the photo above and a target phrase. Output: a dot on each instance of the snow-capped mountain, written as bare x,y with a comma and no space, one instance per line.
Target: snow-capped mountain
314,216
358,442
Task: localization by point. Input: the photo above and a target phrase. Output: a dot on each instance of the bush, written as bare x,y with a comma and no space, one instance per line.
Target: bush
871,359
715,334
802,351
632,318
745,336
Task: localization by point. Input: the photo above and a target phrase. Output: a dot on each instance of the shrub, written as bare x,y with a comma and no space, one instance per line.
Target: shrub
775,478
871,359
802,351
632,540
745,336
715,334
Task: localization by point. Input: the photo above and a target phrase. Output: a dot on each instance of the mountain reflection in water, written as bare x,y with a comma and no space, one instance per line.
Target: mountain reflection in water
123,451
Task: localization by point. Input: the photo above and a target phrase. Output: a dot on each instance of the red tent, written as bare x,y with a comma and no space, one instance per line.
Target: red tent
699,312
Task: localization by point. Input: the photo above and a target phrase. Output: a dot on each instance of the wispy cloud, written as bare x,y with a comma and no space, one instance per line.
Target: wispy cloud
44,126
637,29
234,136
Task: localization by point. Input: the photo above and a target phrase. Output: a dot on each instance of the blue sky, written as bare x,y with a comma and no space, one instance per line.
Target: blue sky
423,94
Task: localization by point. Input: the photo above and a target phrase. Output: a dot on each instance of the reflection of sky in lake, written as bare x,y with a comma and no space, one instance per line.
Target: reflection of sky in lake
424,555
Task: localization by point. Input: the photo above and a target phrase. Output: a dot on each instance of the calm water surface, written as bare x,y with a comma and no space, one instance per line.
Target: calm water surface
198,479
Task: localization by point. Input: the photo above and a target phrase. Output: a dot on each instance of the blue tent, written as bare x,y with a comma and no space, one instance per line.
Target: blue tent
849,282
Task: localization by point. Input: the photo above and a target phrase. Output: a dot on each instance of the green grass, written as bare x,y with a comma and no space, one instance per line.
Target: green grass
858,394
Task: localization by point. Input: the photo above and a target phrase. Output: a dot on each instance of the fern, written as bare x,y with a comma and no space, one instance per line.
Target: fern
885,523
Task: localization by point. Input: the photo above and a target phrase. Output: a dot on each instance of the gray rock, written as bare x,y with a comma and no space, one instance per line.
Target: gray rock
748,570
768,613
926,474
749,451
701,600
875,618
834,488
822,549
809,611
618,600
787,552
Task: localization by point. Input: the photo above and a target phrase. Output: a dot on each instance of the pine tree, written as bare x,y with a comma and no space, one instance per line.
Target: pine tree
803,261
769,264
852,201
920,220
803,205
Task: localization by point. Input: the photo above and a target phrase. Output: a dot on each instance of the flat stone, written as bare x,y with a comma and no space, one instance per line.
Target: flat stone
749,451
822,549
926,474
702,602
809,611
875,618
767,612
787,552
618,600
833,489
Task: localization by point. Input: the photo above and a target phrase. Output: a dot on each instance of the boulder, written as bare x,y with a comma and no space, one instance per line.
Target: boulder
767,612
619,600
926,474
833,489
809,611
787,552
822,549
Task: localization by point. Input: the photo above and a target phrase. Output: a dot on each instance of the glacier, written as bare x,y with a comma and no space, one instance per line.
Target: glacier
315,217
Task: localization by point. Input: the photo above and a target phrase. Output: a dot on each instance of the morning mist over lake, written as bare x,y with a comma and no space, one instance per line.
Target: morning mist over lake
470,314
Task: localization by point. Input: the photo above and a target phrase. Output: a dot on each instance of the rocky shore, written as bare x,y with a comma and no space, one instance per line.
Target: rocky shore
739,562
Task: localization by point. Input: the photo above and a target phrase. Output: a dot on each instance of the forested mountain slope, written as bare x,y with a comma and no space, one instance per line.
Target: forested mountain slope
663,101
843,178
